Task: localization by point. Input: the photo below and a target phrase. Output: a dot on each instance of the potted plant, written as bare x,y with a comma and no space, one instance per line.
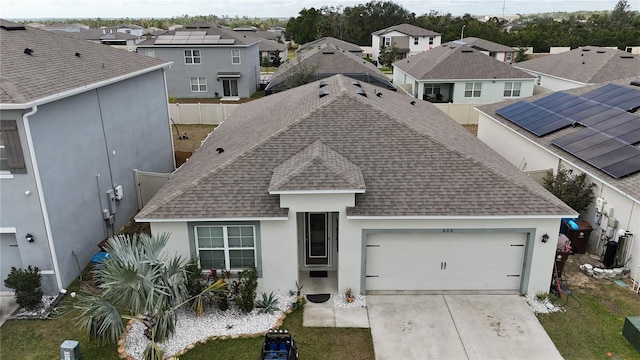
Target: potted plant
349,295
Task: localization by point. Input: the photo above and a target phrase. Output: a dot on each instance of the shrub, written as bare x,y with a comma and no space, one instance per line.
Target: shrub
247,283
574,190
27,285
268,303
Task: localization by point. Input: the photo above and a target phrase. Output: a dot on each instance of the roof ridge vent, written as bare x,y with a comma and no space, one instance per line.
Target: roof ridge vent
328,52
626,56
361,92
323,83
13,27
324,92
356,83
601,51
467,50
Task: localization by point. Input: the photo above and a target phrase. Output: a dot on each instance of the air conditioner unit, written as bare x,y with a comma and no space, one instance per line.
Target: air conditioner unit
70,350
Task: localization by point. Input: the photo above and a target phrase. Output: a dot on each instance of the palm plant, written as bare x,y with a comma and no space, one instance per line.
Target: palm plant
140,282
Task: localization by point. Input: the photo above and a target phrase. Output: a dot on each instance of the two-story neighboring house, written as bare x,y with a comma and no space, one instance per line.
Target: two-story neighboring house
76,118
208,61
118,40
461,75
497,51
409,39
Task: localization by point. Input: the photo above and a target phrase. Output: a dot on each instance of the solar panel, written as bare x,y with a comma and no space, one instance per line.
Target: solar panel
557,106
612,94
589,141
632,97
613,157
551,126
600,149
630,104
513,108
553,97
599,91
631,138
584,105
603,116
613,122
625,128
589,113
573,137
625,167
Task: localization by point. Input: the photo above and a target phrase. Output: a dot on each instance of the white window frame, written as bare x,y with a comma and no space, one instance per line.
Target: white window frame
150,53
387,41
430,40
416,41
235,57
6,173
473,90
512,89
508,56
433,88
230,82
190,54
200,83
225,248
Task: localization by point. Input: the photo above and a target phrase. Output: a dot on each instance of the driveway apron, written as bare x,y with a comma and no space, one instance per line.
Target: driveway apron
456,327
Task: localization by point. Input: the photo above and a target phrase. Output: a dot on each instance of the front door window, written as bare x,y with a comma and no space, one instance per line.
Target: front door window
317,239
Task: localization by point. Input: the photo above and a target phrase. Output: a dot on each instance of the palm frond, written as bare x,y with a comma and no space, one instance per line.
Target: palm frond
99,319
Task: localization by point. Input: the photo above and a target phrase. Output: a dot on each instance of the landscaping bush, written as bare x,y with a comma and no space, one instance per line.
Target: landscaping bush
27,285
248,283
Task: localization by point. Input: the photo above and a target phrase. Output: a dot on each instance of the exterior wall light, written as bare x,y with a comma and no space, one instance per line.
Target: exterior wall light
545,238
29,238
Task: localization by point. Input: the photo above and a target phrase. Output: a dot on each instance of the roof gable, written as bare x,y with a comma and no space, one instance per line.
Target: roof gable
407,29
317,167
482,44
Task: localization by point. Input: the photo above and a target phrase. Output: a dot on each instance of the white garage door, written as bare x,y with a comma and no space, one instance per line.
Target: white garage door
444,261
9,256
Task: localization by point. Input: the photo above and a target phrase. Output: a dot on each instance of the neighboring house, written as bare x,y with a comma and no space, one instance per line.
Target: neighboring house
117,40
460,74
325,61
208,61
340,44
373,193
76,119
269,46
130,29
63,27
582,66
498,51
592,130
409,39
254,31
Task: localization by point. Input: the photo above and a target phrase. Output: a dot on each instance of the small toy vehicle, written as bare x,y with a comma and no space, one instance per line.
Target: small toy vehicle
279,345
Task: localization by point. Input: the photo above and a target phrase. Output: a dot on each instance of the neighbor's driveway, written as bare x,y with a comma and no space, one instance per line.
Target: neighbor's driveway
456,327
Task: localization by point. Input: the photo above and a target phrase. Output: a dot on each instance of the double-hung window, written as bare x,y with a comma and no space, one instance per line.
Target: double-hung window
198,84
192,57
387,41
473,90
508,57
228,247
235,56
11,157
512,89
430,40
415,40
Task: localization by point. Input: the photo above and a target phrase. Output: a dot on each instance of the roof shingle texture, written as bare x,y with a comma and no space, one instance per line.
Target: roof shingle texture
240,37
629,185
54,68
457,62
407,29
482,44
415,160
340,44
589,65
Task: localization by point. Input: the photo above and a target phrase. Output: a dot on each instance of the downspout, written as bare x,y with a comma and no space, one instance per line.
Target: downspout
43,205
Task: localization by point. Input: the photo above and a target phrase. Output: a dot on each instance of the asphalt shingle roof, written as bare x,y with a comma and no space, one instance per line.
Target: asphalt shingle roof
629,184
340,44
240,37
457,62
482,44
407,29
53,66
589,65
414,159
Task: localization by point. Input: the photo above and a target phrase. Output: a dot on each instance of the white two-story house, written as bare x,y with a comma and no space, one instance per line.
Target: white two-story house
409,39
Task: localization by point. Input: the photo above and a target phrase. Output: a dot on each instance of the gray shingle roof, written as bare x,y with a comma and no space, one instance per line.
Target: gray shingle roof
340,44
317,167
482,44
415,160
240,37
589,65
407,29
629,185
54,68
95,34
457,62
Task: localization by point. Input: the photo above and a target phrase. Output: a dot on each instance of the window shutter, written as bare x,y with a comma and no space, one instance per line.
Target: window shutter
11,141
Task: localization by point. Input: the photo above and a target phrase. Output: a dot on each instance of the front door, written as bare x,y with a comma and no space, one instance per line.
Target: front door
317,244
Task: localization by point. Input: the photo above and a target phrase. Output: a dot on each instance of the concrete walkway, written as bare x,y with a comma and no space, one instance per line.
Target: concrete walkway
327,315
8,305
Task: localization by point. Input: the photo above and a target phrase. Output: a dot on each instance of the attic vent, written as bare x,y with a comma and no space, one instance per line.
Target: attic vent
324,83
601,51
586,49
220,150
635,83
28,51
328,52
77,54
356,83
324,92
361,92
626,56
13,27
467,51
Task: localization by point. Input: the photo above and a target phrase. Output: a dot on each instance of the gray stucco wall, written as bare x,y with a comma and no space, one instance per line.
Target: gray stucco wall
84,146
213,60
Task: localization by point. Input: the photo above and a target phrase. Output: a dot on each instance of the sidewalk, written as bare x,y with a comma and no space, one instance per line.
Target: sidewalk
7,305
328,315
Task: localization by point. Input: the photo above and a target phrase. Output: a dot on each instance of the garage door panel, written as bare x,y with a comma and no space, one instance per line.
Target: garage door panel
450,261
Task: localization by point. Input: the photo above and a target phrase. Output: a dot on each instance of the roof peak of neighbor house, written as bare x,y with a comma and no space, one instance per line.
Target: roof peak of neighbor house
407,29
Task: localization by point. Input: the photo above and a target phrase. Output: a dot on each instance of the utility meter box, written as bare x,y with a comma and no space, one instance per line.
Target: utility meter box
631,331
70,350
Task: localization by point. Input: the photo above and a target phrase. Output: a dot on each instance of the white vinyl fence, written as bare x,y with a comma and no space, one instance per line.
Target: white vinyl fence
464,114
148,184
211,114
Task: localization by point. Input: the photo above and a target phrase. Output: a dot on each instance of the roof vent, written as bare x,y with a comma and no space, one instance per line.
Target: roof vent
413,102
324,83
361,92
220,150
328,52
467,51
586,49
324,92
626,56
77,54
356,83
28,51
13,27
635,83
601,51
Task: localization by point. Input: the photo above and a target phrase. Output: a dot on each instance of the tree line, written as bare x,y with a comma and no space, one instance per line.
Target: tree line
619,27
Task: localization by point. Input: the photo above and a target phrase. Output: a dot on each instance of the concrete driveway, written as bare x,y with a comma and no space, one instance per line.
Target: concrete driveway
456,327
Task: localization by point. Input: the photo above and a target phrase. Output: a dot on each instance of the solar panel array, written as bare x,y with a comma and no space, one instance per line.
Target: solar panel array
191,38
608,131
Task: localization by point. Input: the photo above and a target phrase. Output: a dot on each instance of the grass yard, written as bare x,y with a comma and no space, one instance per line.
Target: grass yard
313,343
196,132
591,326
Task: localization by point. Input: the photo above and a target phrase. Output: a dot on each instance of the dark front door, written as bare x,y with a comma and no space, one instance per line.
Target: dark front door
316,246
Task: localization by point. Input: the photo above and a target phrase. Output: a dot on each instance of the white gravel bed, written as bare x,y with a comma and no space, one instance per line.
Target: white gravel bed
191,329
541,306
41,312
340,301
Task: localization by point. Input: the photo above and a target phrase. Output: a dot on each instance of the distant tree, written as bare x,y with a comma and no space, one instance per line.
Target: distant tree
303,28
276,59
521,55
299,75
574,190
389,55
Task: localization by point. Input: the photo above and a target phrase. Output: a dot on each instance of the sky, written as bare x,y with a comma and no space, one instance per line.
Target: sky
38,9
